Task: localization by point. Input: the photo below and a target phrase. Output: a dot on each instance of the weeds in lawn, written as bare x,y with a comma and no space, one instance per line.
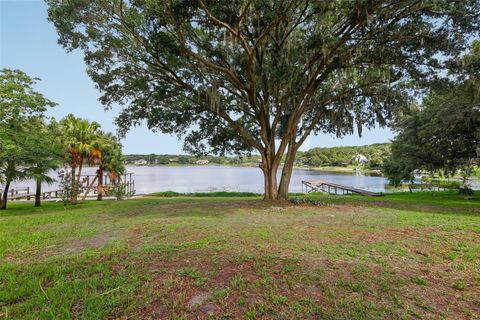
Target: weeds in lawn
410,256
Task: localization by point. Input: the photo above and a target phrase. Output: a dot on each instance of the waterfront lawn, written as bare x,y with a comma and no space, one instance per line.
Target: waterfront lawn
399,256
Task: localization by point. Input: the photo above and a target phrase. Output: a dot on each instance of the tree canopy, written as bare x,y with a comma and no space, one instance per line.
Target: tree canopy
442,133
262,75
21,113
43,155
84,142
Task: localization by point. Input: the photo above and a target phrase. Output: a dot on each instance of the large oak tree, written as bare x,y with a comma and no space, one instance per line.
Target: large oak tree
262,75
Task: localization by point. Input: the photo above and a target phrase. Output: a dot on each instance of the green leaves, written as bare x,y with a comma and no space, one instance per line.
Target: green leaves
22,139
78,136
83,141
281,70
443,134
112,159
260,52
18,100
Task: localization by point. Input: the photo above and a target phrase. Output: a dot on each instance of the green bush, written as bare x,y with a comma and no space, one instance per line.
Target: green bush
119,191
466,191
166,194
314,202
205,194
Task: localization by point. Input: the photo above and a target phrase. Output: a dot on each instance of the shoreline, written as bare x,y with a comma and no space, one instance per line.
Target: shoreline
349,169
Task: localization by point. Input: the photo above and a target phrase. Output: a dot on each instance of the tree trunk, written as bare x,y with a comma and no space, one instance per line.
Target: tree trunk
100,185
271,159
38,193
269,167
270,177
77,183
287,170
74,185
79,174
3,204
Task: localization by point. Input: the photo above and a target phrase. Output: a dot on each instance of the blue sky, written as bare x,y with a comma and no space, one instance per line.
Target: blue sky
29,42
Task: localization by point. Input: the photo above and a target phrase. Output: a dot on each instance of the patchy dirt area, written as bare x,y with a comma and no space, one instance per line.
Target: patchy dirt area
273,287
245,259
77,245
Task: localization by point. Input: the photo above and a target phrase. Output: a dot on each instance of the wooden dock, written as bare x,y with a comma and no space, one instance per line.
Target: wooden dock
16,194
333,188
19,194
27,194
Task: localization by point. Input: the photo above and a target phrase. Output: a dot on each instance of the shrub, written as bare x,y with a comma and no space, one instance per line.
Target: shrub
466,190
299,201
166,194
65,184
119,191
205,194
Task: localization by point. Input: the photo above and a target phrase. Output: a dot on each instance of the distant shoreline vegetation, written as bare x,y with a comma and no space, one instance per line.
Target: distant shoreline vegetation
368,158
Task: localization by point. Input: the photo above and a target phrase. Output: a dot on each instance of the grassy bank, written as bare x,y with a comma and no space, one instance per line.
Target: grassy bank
399,256
218,194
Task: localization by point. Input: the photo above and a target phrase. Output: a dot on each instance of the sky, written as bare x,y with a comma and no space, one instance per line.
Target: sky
28,41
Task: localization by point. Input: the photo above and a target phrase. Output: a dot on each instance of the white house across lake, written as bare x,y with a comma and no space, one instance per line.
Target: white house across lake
141,162
202,162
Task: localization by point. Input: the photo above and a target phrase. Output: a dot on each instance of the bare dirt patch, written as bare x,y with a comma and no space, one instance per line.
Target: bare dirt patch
393,234
98,241
313,284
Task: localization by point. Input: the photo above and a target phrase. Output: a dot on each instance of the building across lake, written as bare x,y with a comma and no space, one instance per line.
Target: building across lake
202,161
140,162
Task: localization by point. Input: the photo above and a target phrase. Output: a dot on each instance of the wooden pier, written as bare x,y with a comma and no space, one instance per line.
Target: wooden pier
333,188
86,187
126,179
18,194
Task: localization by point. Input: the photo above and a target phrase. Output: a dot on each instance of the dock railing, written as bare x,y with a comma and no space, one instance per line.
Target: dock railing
333,188
28,194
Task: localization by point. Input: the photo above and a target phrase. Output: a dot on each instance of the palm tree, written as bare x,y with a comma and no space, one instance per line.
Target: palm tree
11,172
39,173
113,163
80,139
45,156
13,156
109,159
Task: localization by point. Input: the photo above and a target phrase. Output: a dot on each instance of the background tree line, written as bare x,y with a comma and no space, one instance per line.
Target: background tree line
166,159
376,155
32,146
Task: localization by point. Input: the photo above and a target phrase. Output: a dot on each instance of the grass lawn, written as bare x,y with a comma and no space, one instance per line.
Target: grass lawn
397,257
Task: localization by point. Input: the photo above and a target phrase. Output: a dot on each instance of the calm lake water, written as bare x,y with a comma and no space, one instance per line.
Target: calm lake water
225,178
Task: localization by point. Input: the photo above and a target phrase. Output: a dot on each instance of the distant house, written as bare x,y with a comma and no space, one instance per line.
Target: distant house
173,160
360,158
140,162
203,161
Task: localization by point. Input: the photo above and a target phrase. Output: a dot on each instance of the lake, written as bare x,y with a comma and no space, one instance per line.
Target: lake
226,178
